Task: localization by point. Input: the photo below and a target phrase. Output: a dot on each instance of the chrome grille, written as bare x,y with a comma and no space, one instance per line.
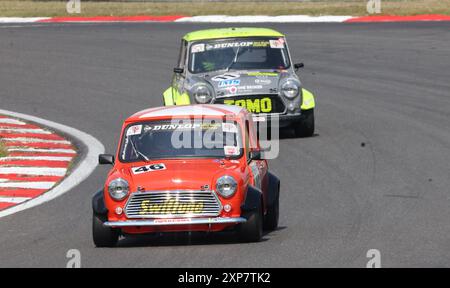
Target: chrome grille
173,204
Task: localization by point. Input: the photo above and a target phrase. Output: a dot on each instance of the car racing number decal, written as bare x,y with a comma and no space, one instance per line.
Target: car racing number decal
148,168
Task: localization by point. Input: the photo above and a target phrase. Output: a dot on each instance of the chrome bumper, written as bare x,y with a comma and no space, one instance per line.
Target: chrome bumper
175,222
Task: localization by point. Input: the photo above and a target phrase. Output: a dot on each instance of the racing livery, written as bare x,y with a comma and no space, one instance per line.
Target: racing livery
186,168
247,67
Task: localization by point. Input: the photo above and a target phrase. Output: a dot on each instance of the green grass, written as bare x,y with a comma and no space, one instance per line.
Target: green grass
3,151
27,8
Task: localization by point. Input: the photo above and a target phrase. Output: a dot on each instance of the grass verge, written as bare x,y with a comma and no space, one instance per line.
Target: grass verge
27,8
3,151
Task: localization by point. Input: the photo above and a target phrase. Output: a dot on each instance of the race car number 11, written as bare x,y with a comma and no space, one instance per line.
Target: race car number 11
148,168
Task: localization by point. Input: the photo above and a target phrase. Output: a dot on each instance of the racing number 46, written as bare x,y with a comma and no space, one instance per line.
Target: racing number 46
149,168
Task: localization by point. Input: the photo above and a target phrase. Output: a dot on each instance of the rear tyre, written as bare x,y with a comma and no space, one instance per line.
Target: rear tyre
103,236
252,230
273,214
306,127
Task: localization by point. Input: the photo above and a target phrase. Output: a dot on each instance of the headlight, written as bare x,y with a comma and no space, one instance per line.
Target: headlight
290,89
226,186
118,189
202,94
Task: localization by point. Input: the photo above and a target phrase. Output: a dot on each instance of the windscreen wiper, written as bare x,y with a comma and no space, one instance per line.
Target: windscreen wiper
139,153
234,59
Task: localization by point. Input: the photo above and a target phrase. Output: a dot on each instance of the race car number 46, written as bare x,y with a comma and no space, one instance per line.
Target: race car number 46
148,168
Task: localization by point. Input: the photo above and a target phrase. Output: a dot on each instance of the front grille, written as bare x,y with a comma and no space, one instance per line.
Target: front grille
257,104
173,204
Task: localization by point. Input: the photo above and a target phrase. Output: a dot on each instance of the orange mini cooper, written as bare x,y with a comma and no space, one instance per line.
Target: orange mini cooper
187,168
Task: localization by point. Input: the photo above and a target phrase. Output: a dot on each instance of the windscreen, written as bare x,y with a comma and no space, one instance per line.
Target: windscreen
181,139
238,54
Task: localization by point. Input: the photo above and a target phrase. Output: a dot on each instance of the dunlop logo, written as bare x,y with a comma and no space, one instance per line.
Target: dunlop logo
170,206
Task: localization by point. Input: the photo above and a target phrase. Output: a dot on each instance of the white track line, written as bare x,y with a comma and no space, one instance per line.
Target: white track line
11,121
13,199
28,185
264,19
35,140
37,158
78,175
35,171
23,131
37,150
21,19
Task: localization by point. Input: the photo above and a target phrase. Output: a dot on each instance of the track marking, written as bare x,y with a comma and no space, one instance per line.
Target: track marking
11,121
36,140
14,199
19,130
43,158
27,185
33,150
33,171
84,168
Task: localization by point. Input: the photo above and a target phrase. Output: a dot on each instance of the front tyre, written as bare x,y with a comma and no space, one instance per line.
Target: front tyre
305,128
252,230
103,236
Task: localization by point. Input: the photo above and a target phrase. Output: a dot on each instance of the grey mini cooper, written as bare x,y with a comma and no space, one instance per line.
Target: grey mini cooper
248,67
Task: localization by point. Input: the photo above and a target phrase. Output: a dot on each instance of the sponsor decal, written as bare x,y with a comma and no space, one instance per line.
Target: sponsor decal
187,126
259,74
232,151
263,105
170,206
232,90
226,76
198,48
229,128
229,45
251,87
226,45
134,130
232,82
259,118
148,168
260,44
263,81
277,44
172,221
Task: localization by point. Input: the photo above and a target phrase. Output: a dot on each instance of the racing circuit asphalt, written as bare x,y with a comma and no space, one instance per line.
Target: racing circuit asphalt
376,175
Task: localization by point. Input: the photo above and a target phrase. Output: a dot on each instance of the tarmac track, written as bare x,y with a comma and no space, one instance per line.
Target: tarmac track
376,175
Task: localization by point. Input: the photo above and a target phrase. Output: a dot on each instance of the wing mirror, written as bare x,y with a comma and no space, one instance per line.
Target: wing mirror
256,155
299,66
178,70
105,159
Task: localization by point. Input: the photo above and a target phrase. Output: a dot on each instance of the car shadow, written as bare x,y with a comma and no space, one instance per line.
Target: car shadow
186,239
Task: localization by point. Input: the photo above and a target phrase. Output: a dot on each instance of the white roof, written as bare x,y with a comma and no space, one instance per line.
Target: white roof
203,110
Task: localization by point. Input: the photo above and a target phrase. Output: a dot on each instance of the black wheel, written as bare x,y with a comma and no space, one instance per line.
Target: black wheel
103,236
252,230
273,214
305,128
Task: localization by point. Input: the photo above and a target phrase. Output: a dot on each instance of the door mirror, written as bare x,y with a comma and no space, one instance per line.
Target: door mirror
298,66
256,155
178,70
105,159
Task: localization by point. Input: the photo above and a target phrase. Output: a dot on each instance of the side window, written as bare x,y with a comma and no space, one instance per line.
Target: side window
182,56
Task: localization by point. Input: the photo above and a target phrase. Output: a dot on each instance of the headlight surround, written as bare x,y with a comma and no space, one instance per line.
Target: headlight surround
201,93
290,89
118,189
226,186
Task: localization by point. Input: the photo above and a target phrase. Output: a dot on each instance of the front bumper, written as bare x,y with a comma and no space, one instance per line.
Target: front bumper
280,120
175,222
